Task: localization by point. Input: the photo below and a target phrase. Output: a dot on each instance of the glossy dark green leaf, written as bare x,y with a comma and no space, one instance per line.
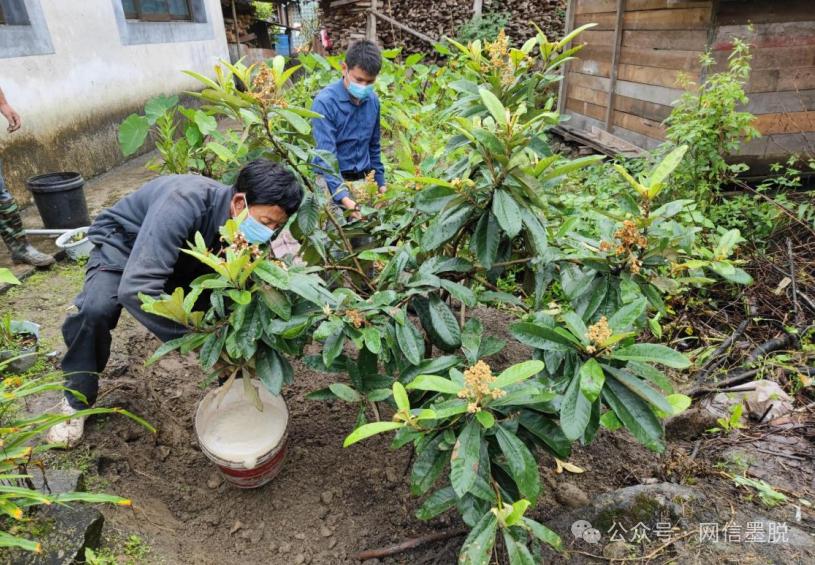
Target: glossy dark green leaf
521,463
540,337
652,353
333,348
517,551
437,503
272,369
543,533
464,458
638,387
428,466
211,349
592,379
635,414
410,341
485,240
445,226
308,214
507,213
477,548
444,323
545,430
575,410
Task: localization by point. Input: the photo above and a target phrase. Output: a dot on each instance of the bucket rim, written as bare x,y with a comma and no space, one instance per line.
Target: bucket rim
63,243
58,181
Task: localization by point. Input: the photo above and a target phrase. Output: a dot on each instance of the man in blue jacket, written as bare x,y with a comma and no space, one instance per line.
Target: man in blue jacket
349,127
138,244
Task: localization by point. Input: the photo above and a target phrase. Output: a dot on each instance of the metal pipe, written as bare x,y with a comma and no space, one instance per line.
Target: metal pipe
55,233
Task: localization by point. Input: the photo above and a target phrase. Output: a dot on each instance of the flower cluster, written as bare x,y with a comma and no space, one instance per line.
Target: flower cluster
598,333
500,61
477,381
629,238
264,89
356,318
240,244
364,190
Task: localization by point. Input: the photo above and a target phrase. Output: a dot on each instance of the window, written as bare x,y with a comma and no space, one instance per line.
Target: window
13,12
157,10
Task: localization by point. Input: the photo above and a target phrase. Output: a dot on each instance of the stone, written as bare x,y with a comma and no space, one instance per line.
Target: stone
331,543
571,495
57,481
215,480
238,525
285,547
70,530
763,401
326,497
325,532
300,536
299,559
163,452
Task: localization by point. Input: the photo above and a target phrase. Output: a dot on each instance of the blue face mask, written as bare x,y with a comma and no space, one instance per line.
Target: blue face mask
255,232
358,91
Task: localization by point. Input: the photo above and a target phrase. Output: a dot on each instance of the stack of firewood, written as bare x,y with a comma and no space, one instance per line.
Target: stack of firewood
244,23
345,20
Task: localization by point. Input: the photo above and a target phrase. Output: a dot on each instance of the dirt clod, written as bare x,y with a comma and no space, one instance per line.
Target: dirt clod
571,495
325,532
215,480
326,497
238,525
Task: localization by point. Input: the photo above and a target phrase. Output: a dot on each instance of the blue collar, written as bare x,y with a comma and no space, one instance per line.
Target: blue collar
343,95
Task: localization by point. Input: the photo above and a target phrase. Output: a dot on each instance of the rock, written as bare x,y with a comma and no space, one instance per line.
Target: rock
238,525
285,547
299,559
325,532
618,550
300,536
215,480
331,543
132,432
690,424
57,481
571,495
163,452
71,529
763,401
326,497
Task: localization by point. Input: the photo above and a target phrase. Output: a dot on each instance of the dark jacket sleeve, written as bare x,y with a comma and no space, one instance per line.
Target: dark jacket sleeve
375,149
167,227
325,138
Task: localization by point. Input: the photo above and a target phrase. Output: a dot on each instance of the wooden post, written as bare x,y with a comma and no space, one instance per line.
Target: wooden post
615,58
561,96
478,7
370,32
237,29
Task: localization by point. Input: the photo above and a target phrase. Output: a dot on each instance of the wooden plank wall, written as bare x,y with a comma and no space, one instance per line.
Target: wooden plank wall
660,40
782,82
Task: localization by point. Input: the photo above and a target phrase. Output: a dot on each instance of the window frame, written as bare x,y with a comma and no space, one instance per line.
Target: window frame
138,15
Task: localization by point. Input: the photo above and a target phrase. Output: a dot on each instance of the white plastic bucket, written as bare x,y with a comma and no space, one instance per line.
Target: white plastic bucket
75,249
246,444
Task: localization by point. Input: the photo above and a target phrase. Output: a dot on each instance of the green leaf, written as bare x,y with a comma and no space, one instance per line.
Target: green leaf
547,432
206,124
477,548
575,410
626,317
485,240
432,200
7,277
400,396
521,463
543,533
576,326
434,383
518,552
652,353
635,415
507,212
663,170
410,341
485,418
437,503
639,388
373,340
132,133
445,226
592,379
517,373
459,292
157,106
494,106
211,348
444,322
540,337
464,458
308,214
302,126
344,392
428,466
518,510
369,430
610,421
333,348
650,373
273,370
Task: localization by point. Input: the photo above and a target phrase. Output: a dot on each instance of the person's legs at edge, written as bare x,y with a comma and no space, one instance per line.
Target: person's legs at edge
87,335
13,234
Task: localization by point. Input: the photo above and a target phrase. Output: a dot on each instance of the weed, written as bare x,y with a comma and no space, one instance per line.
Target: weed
766,493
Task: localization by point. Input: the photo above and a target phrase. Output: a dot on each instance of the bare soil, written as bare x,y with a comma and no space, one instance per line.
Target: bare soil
330,502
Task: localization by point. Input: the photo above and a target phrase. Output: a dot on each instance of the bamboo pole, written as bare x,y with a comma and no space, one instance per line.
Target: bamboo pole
402,26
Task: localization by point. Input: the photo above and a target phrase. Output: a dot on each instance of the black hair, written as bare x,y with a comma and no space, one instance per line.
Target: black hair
266,182
365,55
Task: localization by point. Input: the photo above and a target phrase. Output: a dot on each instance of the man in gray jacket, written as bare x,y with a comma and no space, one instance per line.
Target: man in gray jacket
137,250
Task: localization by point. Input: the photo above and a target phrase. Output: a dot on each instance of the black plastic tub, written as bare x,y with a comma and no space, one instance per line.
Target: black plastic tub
60,199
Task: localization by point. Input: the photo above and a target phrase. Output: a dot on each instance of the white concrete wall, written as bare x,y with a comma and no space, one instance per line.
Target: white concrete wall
92,80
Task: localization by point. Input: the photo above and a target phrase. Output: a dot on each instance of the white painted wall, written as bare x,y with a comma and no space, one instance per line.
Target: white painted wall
92,72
